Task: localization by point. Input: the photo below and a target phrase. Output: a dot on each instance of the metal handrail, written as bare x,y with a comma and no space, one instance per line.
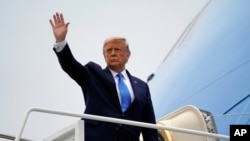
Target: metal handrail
11,137
114,120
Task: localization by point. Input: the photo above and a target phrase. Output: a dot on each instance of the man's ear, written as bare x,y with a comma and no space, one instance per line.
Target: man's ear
128,55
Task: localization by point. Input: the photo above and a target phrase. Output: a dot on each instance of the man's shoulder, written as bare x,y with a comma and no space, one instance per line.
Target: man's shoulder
93,65
136,79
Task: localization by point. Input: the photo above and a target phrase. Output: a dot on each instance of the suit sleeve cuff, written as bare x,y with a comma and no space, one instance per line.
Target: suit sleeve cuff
60,46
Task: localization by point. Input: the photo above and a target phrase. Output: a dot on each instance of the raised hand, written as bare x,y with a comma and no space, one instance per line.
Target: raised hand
59,27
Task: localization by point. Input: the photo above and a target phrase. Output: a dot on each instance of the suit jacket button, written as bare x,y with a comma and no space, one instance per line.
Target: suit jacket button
118,127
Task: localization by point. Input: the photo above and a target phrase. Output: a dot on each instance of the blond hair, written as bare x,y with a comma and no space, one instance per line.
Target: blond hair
117,38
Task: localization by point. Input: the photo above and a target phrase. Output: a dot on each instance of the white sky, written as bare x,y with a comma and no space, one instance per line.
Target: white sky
30,73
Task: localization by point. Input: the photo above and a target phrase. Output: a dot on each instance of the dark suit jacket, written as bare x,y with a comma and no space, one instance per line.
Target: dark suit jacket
101,98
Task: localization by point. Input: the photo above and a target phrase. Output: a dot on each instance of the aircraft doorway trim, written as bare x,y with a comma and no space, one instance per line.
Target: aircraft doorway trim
188,117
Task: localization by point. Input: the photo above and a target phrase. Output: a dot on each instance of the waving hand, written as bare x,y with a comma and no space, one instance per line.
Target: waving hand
59,27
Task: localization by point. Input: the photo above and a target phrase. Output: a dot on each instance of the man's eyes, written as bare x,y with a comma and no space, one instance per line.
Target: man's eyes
115,49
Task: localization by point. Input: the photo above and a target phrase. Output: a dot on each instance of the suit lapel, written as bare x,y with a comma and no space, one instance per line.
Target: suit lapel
112,87
134,85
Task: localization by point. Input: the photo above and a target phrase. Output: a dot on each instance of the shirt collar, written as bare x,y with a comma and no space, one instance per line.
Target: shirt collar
122,72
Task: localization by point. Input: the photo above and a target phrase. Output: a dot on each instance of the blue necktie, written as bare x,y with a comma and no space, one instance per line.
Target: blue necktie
124,93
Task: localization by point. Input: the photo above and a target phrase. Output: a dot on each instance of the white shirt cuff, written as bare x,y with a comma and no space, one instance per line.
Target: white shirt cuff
60,46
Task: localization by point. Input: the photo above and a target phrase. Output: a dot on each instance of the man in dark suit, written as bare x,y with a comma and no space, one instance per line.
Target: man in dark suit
111,92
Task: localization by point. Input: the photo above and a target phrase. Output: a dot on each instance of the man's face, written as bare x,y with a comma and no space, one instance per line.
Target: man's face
116,55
